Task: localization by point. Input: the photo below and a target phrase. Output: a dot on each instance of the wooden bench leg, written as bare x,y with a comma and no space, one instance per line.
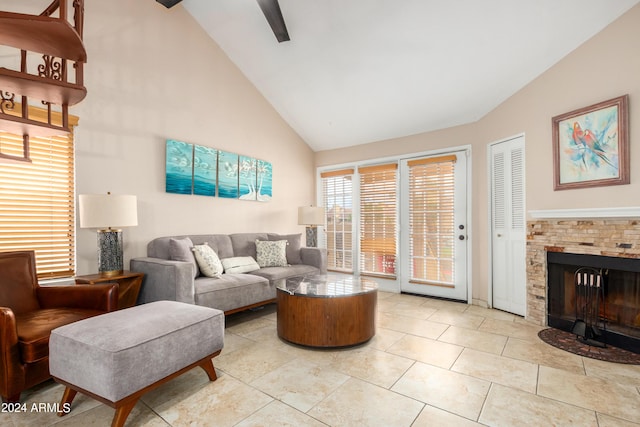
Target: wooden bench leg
122,412
67,398
207,365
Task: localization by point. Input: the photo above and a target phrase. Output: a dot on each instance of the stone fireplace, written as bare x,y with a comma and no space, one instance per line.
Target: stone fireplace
614,242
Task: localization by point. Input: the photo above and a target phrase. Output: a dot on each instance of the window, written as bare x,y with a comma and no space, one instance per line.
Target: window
378,219
337,197
37,209
431,220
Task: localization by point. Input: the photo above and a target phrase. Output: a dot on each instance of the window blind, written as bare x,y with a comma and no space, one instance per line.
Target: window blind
37,209
378,219
337,198
431,220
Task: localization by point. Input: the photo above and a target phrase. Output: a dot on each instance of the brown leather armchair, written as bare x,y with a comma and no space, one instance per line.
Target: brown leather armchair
28,314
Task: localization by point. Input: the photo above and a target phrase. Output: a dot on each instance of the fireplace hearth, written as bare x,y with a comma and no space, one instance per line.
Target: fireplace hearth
613,313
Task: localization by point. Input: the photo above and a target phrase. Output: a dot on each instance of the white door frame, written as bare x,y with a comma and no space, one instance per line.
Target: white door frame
490,212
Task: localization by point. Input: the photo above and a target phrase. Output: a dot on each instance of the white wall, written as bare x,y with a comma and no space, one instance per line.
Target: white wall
606,66
152,73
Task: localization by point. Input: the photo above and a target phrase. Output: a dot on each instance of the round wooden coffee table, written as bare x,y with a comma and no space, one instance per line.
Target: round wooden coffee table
326,310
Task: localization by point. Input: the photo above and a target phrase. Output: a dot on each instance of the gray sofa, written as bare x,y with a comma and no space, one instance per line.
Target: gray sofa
171,279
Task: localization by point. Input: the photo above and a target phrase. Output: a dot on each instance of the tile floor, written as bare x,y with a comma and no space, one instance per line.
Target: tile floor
431,363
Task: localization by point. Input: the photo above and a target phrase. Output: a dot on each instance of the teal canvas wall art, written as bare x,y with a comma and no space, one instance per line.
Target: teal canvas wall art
227,175
264,172
205,166
179,167
247,172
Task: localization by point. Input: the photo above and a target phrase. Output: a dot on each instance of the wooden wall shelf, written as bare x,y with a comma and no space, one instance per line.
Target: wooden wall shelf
42,34
54,91
21,126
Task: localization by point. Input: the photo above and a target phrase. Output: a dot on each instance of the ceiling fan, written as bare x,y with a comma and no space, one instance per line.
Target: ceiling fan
271,10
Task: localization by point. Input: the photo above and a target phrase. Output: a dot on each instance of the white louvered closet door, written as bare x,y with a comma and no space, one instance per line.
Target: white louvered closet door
508,226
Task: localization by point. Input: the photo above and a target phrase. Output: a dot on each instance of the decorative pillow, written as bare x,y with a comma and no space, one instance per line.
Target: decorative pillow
293,248
208,260
181,250
272,253
239,264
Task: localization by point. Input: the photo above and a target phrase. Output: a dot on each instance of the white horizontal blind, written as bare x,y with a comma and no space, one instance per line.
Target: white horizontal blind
37,202
378,219
431,220
337,199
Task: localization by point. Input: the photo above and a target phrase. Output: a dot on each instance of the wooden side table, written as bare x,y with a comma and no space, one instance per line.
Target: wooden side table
129,284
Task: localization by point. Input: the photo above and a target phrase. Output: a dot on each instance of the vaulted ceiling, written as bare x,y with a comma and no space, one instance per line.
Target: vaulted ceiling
357,71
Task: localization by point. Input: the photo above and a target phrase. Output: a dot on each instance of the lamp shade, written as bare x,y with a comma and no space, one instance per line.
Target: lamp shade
108,210
310,215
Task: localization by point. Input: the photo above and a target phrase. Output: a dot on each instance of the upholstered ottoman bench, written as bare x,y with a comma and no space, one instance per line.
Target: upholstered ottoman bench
117,357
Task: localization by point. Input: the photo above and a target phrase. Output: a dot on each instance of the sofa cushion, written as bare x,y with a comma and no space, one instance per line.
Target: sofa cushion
276,273
244,244
240,264
221,243
232,291
208,261
271,254
293,248
181,250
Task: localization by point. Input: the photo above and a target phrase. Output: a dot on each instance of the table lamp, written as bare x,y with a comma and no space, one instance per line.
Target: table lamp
311,216
108,213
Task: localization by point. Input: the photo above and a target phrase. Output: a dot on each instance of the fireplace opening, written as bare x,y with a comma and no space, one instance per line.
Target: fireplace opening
617,317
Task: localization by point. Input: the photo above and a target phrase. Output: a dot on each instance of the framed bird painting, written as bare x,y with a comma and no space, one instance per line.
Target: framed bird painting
591,146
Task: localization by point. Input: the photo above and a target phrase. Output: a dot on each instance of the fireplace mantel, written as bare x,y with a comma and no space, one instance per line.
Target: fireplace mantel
602,213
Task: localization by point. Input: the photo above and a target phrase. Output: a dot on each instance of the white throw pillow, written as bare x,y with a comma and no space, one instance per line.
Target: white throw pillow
239,264
208,260
271,253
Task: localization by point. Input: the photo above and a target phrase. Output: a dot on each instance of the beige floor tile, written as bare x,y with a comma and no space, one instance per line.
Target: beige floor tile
511,329
371,365
50,393
426,350
224,402
405,299
607,421
509,407
452,317
410,325
300,384
491,313
453,392
384,338
478,340
498,369
277,414
358,403
179,388
140,416
383,295
233,342
5,418
409,310
251,362
606,397
244,328
445,305
619,372
543,354
432,417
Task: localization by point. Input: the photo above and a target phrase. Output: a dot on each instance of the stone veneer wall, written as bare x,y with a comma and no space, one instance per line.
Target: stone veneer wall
608,237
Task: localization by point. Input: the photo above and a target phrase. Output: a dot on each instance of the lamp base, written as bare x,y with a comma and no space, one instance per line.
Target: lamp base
312,237
110,259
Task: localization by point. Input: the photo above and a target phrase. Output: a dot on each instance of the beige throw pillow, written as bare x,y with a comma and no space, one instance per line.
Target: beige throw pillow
208,261
271,253
239,264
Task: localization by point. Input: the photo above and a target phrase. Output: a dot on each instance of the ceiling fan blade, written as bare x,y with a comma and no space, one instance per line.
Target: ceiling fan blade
272,12
168,3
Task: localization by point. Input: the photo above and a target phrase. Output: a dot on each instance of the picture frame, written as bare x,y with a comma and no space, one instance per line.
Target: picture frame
591,146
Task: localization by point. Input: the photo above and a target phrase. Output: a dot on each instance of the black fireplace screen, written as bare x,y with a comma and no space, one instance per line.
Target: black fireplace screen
618,314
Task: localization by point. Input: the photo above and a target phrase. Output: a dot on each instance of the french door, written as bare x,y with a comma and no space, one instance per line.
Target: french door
434,226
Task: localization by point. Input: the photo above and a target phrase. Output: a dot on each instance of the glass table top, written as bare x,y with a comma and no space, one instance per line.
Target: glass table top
326,285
